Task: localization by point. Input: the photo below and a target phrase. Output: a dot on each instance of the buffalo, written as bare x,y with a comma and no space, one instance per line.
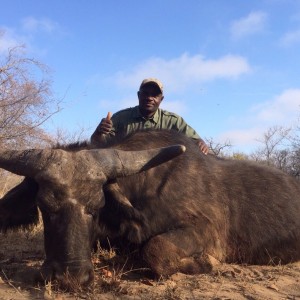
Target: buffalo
179,213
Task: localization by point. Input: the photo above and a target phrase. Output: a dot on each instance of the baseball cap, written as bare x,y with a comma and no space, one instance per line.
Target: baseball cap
152,80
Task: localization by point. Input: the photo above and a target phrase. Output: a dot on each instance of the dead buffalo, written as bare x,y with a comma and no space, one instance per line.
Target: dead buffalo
178,214
66,185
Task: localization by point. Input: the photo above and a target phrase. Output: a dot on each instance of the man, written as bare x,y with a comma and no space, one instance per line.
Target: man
146,115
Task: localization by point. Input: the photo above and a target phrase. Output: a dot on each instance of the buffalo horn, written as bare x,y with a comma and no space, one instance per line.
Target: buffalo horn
112,162
123,163
28,162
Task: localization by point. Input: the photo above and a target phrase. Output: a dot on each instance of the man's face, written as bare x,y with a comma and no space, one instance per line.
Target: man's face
150,98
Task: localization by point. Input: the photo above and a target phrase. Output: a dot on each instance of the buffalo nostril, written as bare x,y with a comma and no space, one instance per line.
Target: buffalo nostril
76,276
70,276
71,280
86,277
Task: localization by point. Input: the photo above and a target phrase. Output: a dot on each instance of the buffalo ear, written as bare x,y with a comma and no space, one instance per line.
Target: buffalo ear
18,207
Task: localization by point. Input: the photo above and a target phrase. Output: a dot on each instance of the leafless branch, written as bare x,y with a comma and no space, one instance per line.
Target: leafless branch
26,100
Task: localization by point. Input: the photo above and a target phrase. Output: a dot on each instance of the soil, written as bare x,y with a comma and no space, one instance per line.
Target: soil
21,255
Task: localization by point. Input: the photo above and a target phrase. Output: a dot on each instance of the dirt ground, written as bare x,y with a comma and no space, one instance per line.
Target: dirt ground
21,255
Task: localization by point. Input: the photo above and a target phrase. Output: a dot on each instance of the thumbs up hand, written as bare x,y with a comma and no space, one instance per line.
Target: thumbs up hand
108,117
105,125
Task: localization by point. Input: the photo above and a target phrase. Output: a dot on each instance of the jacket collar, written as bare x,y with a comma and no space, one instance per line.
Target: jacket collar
138,115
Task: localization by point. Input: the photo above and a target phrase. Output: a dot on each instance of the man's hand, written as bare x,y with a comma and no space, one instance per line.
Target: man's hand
105,125
202,146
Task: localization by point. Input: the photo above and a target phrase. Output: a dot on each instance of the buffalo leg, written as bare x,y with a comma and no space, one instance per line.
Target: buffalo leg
129,221
118,201
177,251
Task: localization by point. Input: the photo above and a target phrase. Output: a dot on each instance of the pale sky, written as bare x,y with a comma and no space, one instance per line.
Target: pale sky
230,68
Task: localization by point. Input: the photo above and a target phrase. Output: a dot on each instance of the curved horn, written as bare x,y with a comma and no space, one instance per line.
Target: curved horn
27,162
120,163
55,163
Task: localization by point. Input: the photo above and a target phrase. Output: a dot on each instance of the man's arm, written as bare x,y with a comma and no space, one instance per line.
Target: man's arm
203,146
190,132
99,137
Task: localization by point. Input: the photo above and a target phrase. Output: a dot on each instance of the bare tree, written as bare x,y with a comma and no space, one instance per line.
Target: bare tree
294,166
281,149
274,144
26,100
295,138
217,148
62,136
294,163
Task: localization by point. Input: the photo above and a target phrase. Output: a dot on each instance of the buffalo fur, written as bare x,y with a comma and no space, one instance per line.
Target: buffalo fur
194,207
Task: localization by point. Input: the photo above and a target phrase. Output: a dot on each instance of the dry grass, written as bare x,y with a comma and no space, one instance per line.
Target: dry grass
22,254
